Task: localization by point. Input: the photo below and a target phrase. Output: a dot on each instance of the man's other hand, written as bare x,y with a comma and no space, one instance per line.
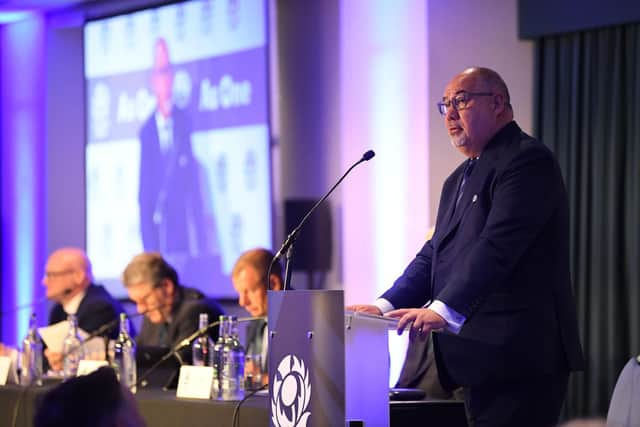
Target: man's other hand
421,321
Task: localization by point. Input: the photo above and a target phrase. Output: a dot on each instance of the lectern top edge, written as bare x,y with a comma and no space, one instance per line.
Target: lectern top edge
389,322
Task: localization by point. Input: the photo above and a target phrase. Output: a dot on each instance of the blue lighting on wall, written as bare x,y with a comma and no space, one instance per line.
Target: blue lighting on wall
23,153
14,16
24,207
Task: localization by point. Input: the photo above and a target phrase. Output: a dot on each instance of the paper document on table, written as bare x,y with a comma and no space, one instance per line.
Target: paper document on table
54,335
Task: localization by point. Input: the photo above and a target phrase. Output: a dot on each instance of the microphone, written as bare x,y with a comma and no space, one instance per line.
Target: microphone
107,327
41,301
288,243
175,351
200,332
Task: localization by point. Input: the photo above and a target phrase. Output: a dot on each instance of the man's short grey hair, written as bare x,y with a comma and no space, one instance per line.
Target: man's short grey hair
148,267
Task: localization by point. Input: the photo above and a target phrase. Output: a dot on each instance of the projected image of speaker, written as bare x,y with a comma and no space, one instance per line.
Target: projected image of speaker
178,139
313,247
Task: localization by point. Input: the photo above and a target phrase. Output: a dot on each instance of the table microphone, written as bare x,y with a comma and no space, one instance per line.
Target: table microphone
107,327
202,331
175,351
103,329
41,301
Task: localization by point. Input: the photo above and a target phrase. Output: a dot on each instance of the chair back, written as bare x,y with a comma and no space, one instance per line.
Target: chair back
622,410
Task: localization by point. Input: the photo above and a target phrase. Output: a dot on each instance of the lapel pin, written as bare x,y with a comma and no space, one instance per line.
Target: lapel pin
474,198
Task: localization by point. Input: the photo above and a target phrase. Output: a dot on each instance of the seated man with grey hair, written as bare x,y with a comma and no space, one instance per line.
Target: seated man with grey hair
171,311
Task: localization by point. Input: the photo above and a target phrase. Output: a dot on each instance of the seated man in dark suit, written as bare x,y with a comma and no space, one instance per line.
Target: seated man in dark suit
249,277
68,279
171,311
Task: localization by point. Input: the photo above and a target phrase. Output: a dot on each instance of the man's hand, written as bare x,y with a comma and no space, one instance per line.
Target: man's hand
364,308
5,350
421,321
55,359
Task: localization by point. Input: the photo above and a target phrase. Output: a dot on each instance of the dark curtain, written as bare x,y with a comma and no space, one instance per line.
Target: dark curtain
588,112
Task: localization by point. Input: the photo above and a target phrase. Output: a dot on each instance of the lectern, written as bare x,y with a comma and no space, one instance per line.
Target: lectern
327,367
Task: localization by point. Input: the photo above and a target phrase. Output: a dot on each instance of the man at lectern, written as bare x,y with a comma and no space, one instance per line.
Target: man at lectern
494,280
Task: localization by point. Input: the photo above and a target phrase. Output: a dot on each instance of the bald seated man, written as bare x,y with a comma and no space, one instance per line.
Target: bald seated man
69,283
249,277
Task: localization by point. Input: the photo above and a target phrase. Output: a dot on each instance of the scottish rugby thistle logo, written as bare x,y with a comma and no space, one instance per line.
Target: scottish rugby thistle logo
290,393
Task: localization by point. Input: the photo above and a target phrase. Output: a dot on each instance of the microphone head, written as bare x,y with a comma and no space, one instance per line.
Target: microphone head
368,155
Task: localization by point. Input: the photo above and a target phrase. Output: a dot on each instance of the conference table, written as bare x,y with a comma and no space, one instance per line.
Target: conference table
162,409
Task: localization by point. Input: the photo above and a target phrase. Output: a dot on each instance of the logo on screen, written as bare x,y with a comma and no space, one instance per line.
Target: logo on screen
226,94
290,393
100,111
182,89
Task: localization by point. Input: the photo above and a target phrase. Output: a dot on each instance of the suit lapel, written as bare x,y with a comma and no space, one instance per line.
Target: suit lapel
254,336
452,195
473,186
83,303
57,314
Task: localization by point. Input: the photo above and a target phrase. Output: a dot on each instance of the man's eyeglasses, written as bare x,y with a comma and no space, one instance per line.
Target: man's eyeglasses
459,101
146,301
60,273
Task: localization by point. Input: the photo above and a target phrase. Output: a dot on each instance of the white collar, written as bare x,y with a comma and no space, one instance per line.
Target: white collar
162,121
71,306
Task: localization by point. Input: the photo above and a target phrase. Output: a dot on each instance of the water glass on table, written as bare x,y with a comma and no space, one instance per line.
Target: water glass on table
254,375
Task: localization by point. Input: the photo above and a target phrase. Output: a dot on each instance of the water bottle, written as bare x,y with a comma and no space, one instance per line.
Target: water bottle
232,376
72,349
31,362
216,356
124,356
202,346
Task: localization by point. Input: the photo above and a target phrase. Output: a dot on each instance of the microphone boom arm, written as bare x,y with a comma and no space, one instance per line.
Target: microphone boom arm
183,344
287,246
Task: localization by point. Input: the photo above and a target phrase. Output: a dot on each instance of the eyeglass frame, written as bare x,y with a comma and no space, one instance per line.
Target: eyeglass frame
454,102
59,273
144,300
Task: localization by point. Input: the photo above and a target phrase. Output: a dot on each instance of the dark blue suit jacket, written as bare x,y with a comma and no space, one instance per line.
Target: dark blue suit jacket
156,340
501,258
186,313
170,189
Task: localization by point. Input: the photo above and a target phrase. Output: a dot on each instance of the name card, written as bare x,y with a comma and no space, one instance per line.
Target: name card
5,364
195,382
85,367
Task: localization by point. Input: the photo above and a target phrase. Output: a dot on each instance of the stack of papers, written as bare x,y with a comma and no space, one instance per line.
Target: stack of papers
54,335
